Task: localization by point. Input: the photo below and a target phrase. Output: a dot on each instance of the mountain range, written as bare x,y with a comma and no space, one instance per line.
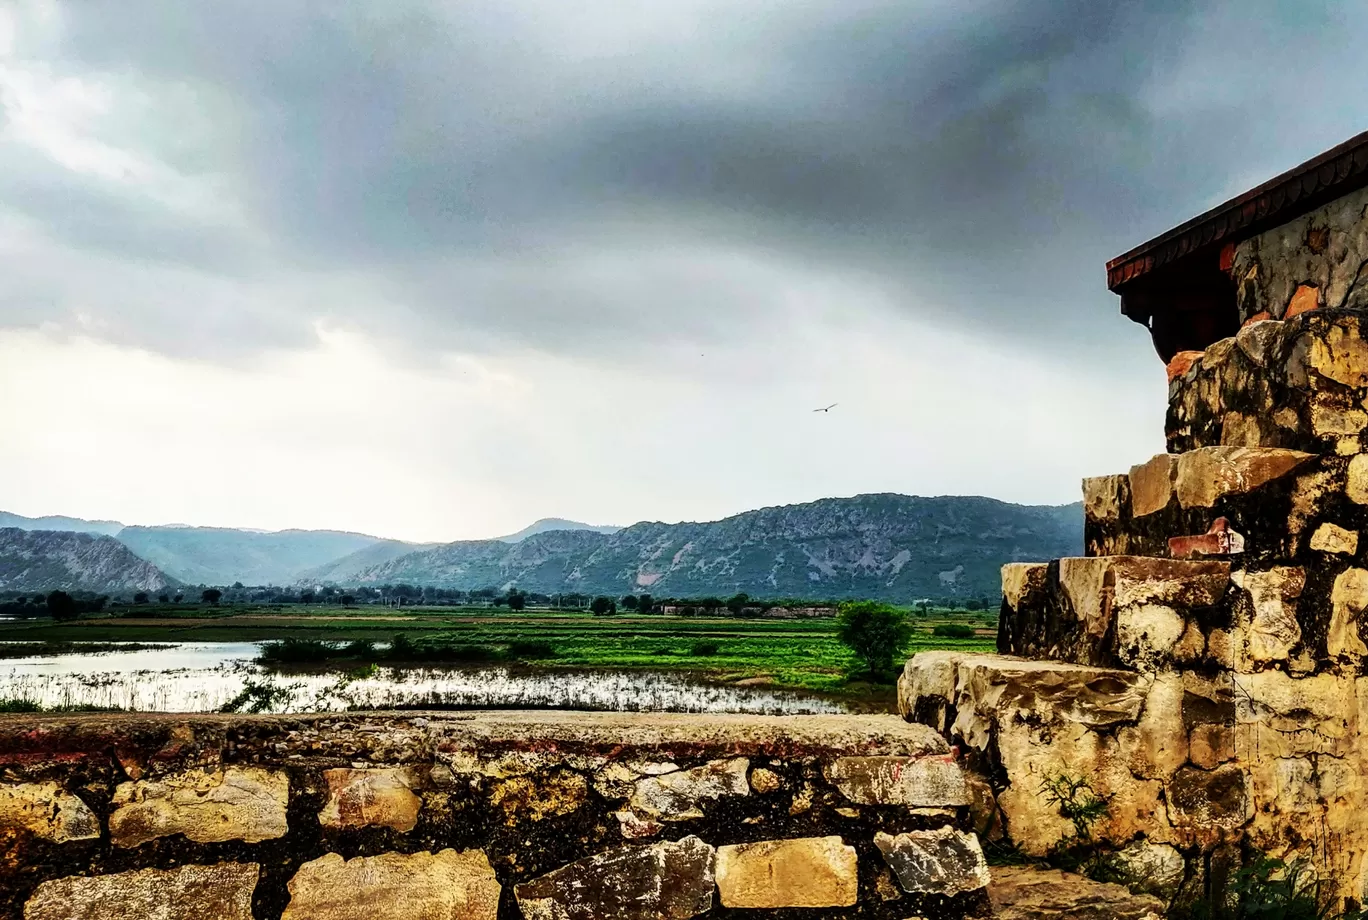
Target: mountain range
888,546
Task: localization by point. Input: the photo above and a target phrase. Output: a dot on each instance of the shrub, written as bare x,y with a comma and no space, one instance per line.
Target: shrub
298,651
603,606
17,705
704,649
953,631
1267,889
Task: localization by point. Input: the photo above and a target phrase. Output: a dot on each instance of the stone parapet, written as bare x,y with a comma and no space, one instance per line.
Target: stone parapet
445,816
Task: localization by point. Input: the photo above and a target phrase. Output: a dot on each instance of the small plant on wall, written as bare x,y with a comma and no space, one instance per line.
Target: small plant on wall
1083,807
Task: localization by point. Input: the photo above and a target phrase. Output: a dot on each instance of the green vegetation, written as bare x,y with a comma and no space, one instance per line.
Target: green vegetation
1083,807
953,631
51,648
29,706
1268,889
800,653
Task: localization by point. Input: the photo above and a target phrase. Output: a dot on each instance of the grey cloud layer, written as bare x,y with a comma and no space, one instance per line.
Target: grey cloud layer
575,179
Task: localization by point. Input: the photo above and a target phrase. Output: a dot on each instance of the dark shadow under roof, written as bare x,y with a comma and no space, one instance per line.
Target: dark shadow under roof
1336,172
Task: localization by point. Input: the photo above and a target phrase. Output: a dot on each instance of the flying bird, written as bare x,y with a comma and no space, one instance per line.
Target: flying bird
826,409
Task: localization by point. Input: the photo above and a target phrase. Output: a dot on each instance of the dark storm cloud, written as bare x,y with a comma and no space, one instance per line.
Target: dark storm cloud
503,175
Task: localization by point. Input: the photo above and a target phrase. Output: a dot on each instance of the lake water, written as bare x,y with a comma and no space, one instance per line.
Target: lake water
203,676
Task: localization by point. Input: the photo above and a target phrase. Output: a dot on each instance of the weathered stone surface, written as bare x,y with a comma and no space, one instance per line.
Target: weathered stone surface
635,827
1271,630
1305,298
1021,581
1137,602
1105,498
1156,869
1209,473
680,796
1157,744
986,689
943,861
1356,482
46,810
395,886
765,781
1048,894
1181,363
663,881
238,803
935,781
1151,484
1209,800
551,793
1348,601
805,872
362,798
218,892
1331,538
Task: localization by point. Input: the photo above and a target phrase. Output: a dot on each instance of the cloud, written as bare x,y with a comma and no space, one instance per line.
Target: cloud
666,219
482,163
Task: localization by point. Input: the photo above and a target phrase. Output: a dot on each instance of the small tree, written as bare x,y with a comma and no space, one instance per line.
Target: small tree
875,632
347,600
602,606
211,595
645,603
737,602
628,602
179,597
163,599
140,597
516,600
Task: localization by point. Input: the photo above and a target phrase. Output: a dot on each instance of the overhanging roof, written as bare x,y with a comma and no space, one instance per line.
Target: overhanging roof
1321,179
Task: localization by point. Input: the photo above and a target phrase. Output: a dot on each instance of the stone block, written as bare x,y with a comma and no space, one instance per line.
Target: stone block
1106,498
680,796
1331,538
395,886
1269,619
934,781
662,881
1151,484
1048,894
1210,473
221,892
1209,801
237,803
1348,601
1022,582
1149,868
365,798
48,811
804,872
944,861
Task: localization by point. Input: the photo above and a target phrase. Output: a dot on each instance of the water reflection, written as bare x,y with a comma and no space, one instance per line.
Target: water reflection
202,677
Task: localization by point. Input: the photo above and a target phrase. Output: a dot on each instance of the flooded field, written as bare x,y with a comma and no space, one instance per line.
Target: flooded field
207,676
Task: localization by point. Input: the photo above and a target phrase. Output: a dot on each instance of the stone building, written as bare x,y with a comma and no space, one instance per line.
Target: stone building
1202,664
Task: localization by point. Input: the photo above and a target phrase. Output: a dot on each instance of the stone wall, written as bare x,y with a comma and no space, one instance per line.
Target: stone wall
446,816
1204,667
1319,259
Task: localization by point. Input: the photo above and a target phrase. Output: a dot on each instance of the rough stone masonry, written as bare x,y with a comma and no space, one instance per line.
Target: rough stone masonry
1203,665
442,816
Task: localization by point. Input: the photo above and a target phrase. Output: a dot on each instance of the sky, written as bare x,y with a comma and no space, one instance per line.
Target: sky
432,270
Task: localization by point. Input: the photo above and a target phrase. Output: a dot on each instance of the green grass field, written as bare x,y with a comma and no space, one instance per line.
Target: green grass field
785,653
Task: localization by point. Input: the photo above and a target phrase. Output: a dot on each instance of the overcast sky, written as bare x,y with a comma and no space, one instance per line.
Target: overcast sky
433,270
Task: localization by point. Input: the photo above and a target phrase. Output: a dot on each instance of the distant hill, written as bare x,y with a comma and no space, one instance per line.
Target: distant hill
222,556
44,560
58,522
348,569
894,547
548,524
